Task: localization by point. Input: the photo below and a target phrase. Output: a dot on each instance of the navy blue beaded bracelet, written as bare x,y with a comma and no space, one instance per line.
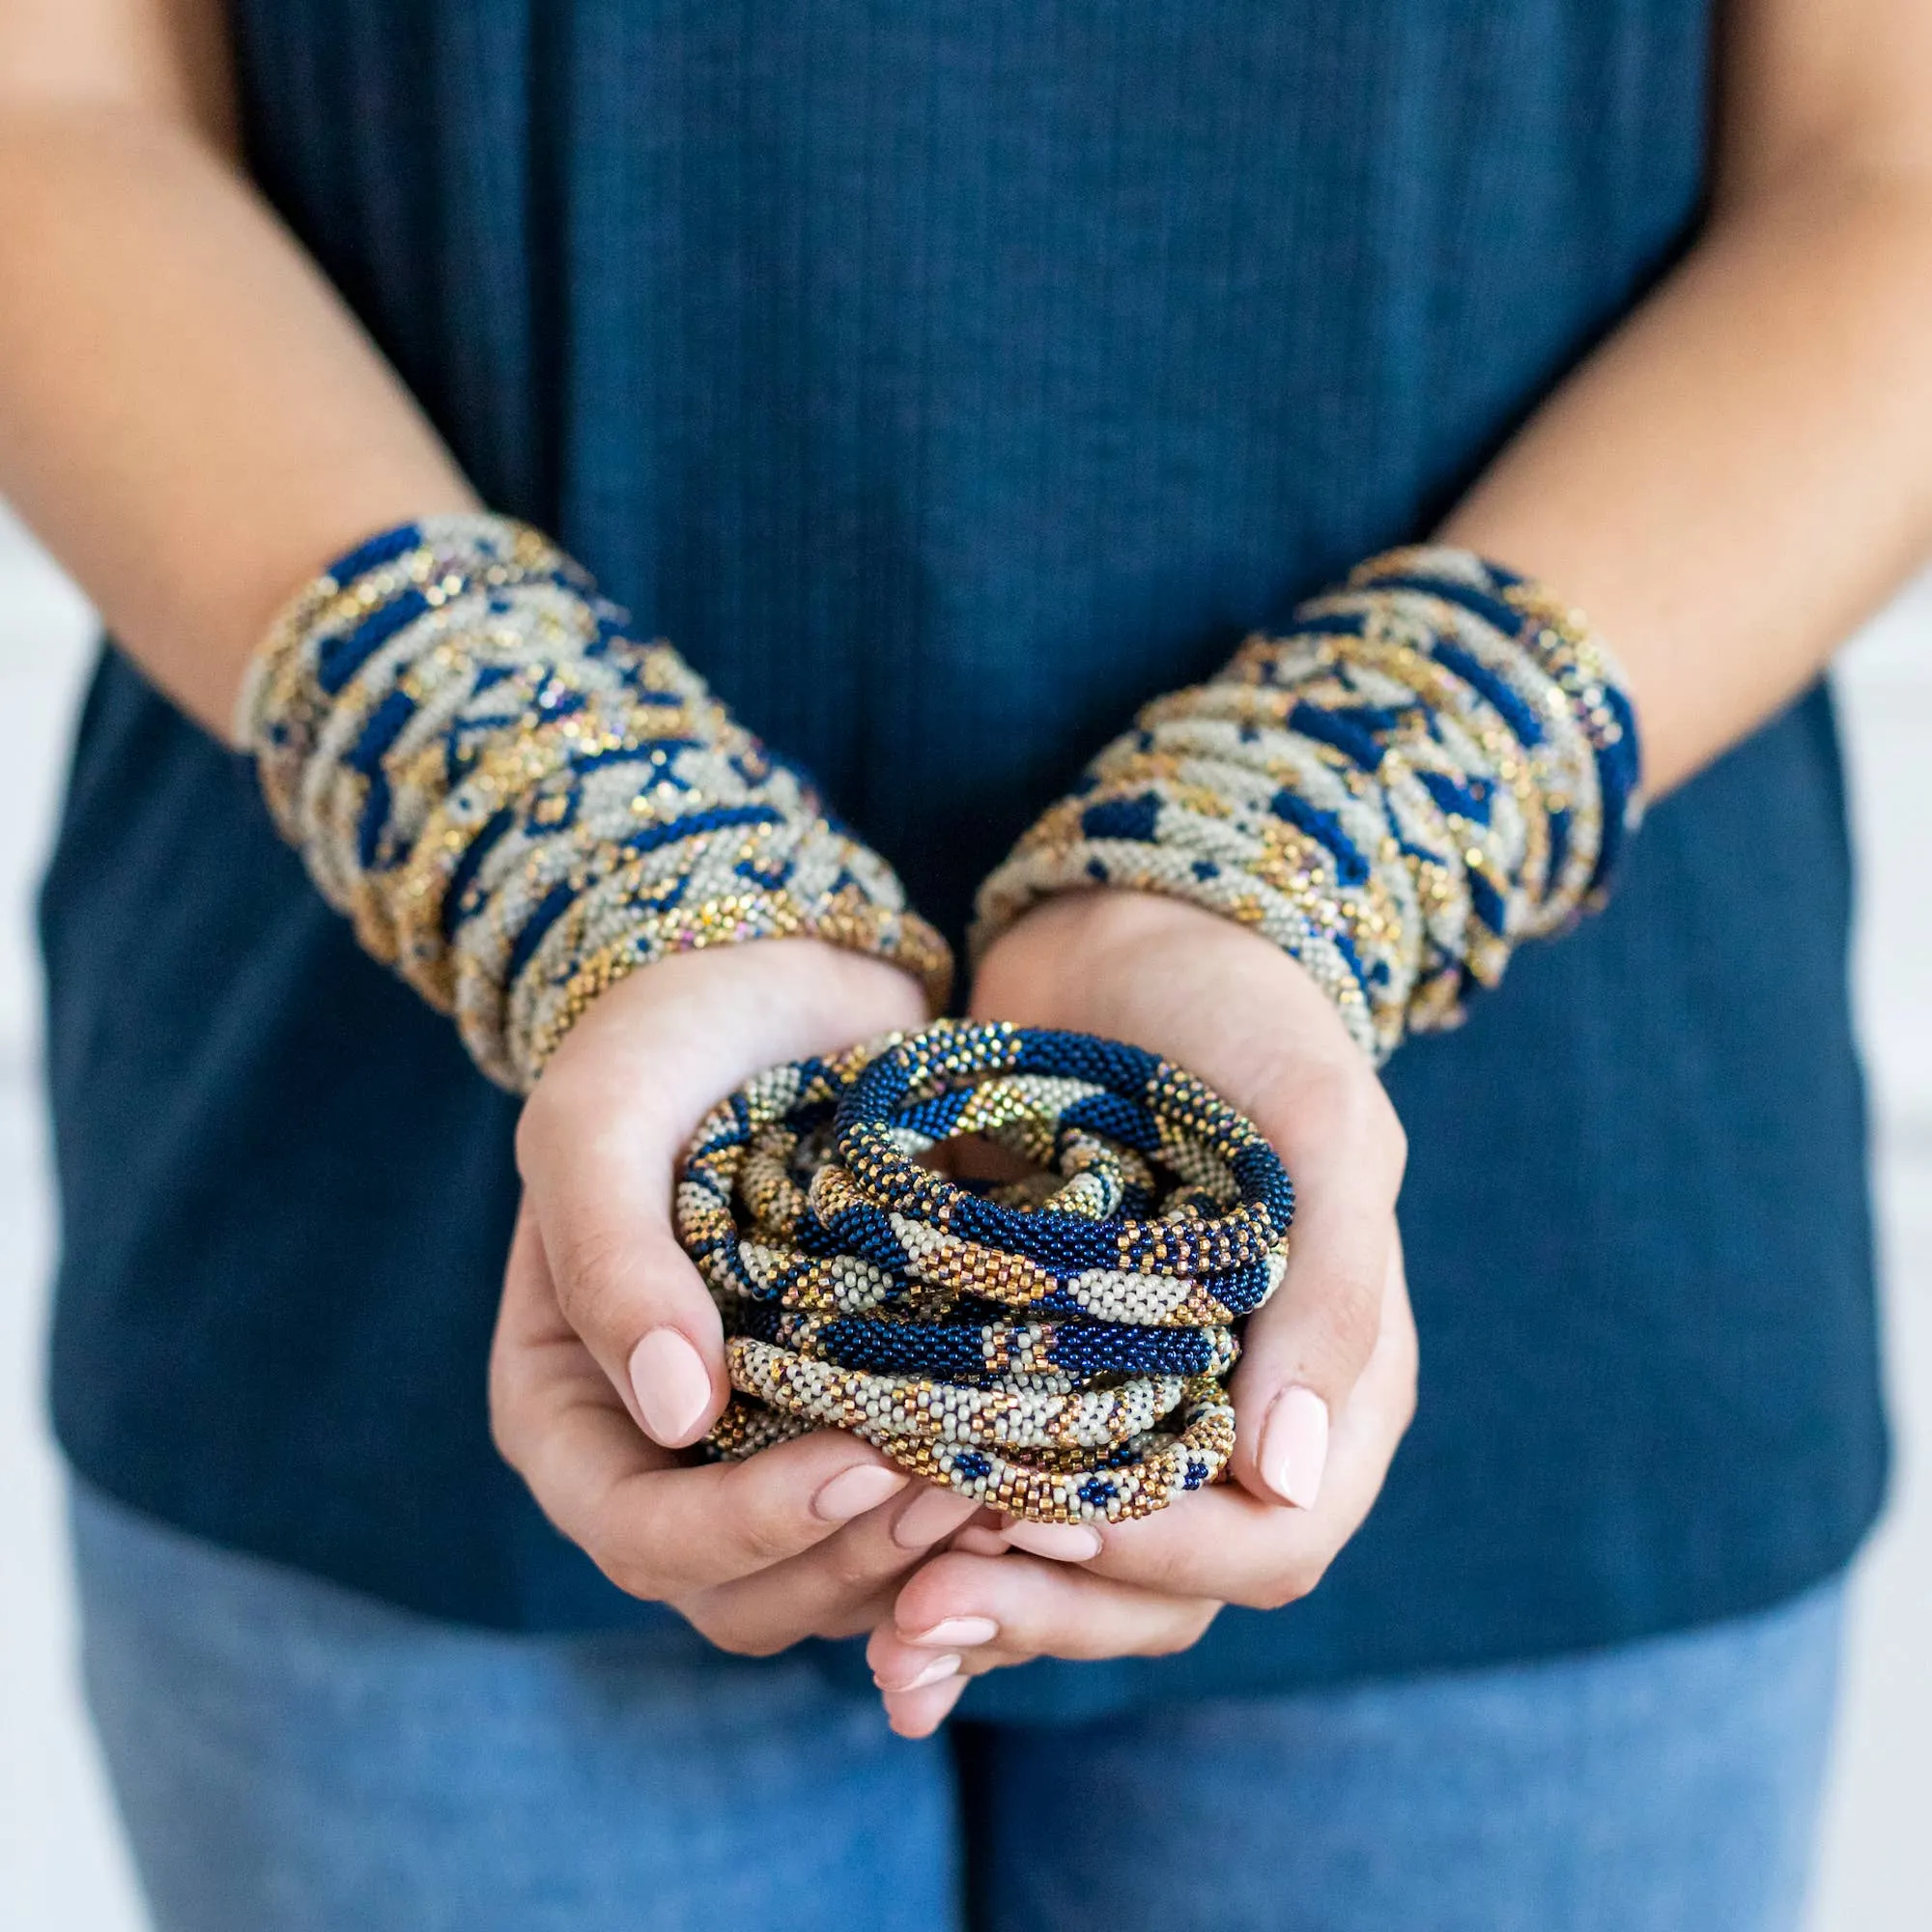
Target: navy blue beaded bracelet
1434,763
1054,1347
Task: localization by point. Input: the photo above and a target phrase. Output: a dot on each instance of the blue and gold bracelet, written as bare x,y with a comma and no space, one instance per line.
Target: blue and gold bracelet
1054,1347
518,802
1436,761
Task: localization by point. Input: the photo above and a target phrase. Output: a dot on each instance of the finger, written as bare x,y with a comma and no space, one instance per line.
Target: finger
656,1529
1229,1544
841,1587
1304,1350
598,1173
600,1137
990,1609
918,1712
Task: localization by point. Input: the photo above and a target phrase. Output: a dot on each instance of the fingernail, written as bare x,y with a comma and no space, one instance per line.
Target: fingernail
1063,1542
1294,1447
977,1541
853,1492
930,1515
671,1384
963,1632
935,1672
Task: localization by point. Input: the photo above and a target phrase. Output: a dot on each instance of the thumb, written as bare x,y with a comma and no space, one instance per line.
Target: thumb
600,1137
600,1199
1306,1348
597,1145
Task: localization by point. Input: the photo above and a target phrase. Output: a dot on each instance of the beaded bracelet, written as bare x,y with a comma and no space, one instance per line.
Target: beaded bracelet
1436,761
1053,1347
518,802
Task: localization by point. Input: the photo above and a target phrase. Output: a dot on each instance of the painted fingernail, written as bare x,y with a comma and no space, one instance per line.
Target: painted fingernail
975,1540
855,1491
960,1633
671,1384
1294,1447
1063,1542
935,1672
930,1515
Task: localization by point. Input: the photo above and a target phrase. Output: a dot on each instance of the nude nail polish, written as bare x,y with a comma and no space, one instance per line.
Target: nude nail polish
935,1672
1063,1542
975,1540
853,1492
671,1384
962,1633
1293,1447
930,1515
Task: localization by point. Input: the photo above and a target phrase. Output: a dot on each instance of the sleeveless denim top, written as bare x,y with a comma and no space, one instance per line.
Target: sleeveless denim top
947,378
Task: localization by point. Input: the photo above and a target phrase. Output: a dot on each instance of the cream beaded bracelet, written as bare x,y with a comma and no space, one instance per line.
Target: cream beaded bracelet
1053,1348
518,802
1436,761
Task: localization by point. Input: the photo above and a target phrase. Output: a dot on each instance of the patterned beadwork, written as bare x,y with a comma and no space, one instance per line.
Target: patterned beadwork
518,802
1436,761
1055,1345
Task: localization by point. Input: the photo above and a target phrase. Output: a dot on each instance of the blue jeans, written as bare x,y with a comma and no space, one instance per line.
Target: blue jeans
288,1757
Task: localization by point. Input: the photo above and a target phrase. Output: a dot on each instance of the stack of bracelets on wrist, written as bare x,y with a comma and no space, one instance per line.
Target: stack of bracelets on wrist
1435,761
518,802
1055,1347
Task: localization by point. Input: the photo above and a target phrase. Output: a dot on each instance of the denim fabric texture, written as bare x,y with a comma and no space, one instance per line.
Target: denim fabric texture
291,1758
947,380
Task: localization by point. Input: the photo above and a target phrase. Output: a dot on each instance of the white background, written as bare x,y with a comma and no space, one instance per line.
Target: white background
61,1866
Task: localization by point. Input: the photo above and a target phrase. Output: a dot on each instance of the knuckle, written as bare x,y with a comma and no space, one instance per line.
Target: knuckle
1286,1585
1181,1630
735,1634
1167,1572
752,1642
858,1567
1406,1401
537,1123
1354,1321
591,1266
766,1537
629,1570
505,1433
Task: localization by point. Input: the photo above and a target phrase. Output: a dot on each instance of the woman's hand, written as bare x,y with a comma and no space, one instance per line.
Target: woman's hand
609,1354
1337,1341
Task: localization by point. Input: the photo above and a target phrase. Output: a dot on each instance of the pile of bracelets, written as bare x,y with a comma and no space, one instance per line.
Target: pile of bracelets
518,802
1054,1347
1436,761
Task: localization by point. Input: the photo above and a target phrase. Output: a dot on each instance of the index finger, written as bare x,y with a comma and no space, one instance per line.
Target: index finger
655,1527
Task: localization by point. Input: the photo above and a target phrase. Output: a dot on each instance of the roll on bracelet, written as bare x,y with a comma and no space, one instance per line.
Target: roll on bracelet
1437,760
1053,1347
518,802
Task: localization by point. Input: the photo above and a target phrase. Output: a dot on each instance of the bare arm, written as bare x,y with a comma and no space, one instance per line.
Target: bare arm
194,422
189,416
1740,473
1745,470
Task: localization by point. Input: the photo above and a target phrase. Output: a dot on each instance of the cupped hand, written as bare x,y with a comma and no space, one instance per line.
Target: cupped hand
609,1354
1325,1386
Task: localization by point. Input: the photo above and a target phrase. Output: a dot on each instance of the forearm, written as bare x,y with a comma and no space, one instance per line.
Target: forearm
189,417
1744,469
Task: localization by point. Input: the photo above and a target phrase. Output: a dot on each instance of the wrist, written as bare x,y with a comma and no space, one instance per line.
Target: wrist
521,804
1436,761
